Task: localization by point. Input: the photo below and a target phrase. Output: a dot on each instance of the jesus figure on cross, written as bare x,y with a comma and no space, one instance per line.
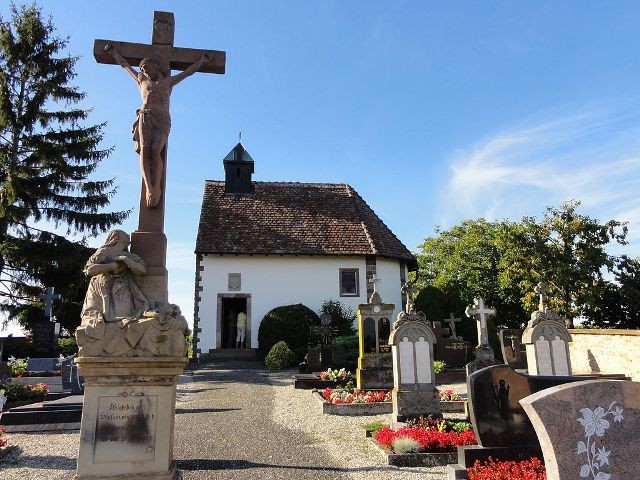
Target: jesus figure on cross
151,128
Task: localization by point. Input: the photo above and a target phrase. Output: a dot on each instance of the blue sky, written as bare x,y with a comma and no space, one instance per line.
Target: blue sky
433,111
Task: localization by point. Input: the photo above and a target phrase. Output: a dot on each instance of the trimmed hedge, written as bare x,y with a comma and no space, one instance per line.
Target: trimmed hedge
279,357
288,323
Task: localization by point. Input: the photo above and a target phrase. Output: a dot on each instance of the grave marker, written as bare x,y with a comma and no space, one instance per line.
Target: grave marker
374,362
588,429
546,339
484,352
412,345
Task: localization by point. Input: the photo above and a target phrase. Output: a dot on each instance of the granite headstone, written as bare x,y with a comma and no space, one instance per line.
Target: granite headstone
513,350
588,429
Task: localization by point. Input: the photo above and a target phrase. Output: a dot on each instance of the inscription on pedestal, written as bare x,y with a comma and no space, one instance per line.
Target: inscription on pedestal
126,429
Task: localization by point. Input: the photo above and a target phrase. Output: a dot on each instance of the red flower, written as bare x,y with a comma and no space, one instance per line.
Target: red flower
532,469
429,440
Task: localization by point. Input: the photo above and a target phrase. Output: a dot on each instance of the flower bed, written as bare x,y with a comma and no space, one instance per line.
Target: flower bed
532,469
426,441
19,394
351,401
337,396
335,375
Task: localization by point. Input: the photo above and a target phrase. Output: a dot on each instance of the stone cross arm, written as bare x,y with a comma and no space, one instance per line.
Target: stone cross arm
179,58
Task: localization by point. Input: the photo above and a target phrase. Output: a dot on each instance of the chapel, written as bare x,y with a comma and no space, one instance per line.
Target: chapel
261,245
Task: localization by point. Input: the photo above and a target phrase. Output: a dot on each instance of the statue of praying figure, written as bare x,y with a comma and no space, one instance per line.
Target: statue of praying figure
151,128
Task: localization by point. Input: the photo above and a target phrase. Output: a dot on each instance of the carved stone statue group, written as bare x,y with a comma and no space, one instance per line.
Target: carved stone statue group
117,318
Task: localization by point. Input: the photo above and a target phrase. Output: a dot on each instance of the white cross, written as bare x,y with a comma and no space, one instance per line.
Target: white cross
48,298
452,324
481,313
375,280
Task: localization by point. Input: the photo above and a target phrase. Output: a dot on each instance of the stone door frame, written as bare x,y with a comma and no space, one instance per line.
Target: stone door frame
221,296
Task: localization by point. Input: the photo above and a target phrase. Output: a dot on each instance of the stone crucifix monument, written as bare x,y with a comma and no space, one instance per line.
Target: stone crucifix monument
484,352
132,342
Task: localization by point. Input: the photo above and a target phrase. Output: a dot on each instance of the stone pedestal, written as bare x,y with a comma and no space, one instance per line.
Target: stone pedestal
375,372
484,358
128,418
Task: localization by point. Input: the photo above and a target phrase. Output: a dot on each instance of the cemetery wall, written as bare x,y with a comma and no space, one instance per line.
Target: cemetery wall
605,351
282,280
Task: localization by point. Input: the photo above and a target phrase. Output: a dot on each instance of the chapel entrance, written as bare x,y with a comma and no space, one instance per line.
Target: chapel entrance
230,308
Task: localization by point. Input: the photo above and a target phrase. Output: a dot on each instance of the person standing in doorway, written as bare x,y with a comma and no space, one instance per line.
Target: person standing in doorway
241,326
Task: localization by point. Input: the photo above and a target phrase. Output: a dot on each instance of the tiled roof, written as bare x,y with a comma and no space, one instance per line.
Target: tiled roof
281,218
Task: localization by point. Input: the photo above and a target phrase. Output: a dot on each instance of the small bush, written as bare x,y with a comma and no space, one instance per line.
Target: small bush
404,445
279,357
290,324
439,366
342,317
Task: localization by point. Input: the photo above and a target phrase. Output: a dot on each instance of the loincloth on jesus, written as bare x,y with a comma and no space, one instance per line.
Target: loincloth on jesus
151,128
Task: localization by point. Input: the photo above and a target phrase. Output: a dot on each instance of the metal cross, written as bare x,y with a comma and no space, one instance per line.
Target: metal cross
452,324
48,298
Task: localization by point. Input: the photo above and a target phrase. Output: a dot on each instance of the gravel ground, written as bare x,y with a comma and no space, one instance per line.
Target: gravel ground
234,422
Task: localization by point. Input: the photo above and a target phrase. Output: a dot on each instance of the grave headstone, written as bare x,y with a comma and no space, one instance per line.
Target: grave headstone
3,400
514,352
5,370
484,356
588,429
501,426
71,381
42,364
414,383
452,351
43,336
547,340
375,369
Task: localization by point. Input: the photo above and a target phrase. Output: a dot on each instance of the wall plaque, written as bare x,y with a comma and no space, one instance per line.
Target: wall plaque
234,282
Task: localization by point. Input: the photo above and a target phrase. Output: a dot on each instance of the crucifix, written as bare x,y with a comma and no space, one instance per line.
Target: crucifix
374,280
481,313
151,129
542,290
452,324
48,298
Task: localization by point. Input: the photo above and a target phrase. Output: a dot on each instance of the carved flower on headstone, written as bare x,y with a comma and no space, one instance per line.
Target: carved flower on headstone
594,423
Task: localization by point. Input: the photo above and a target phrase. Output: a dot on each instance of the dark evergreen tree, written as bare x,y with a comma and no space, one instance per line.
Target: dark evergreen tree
46,159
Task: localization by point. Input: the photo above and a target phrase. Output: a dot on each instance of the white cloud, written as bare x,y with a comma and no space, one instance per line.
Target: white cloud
594,158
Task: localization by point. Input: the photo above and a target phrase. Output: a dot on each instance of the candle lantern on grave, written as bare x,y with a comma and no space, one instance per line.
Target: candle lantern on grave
374,326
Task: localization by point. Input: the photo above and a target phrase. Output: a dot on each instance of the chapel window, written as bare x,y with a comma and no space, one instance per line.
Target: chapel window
349,284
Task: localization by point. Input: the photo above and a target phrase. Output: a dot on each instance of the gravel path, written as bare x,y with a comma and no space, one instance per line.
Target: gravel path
234,422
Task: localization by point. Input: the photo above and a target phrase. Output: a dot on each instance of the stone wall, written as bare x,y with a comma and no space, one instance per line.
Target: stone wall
606,351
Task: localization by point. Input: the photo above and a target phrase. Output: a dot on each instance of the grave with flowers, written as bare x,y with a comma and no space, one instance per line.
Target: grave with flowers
347,400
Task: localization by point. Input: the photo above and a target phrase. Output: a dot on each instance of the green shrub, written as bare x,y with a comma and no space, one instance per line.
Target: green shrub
439,366
190,346
288,323
342,317
348,342
67,346
18,366
280,356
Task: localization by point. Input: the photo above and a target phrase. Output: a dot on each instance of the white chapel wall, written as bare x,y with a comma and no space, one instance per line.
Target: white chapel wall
281,280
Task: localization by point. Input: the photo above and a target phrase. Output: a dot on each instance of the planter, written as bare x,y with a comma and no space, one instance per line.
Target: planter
454,406
375,408
417,459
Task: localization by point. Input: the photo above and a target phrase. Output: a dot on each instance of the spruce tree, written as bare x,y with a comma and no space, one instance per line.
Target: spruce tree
47,157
